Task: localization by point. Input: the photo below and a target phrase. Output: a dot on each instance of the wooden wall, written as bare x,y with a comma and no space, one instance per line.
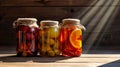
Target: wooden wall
40,8
10,10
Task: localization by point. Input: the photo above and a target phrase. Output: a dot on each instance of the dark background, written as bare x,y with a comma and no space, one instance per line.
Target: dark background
10,10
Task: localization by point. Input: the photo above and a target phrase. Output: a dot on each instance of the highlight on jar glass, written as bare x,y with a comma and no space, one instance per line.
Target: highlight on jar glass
71,37
49,38
27,36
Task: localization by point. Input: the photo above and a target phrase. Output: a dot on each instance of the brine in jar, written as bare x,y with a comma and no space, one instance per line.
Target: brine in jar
71,38
49,38
27,36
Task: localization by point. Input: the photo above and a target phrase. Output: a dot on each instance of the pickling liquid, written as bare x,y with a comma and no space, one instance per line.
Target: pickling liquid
71,42
49,42
27,40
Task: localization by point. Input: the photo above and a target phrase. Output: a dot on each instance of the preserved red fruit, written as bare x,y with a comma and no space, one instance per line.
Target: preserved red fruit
71,38
27,37
67,48
27,41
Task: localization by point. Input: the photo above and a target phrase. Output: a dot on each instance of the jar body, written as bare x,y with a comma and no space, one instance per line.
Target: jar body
71,40
27,40
49,41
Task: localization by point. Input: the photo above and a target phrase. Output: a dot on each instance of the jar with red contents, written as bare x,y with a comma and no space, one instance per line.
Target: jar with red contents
27,36
71,37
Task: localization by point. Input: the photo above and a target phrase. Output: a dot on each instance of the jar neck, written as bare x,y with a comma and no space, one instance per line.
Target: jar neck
55,26
70,23
48,23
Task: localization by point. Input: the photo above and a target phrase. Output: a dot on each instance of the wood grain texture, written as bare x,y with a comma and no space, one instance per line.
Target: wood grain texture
55,13
45,2
86,60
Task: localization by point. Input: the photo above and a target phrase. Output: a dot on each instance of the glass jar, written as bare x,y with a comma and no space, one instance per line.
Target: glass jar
49,38
27,36
71,37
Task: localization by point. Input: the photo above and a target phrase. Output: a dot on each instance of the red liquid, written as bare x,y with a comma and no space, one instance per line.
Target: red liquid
27,40
65,46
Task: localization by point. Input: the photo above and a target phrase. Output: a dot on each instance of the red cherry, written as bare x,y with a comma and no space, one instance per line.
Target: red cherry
28,44
30,36
24,28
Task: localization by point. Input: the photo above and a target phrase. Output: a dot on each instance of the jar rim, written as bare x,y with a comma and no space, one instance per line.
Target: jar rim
45,21
71,21
29,19
48,23
25,21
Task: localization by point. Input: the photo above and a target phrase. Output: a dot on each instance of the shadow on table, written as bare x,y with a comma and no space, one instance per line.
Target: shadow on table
112,64
14,58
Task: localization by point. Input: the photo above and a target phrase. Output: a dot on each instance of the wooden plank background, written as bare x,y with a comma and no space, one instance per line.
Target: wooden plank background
10,10
45,2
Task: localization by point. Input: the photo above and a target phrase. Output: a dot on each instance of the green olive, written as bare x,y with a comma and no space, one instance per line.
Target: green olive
53,32
50,41
43,50
56,45
51,53
48,48
57,52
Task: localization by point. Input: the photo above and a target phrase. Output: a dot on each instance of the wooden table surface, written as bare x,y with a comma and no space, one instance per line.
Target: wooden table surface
85,60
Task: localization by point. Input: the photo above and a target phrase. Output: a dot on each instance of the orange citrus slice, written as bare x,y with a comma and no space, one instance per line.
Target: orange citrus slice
76,38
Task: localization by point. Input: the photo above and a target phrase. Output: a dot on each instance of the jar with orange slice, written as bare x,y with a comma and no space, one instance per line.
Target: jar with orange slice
71,37
27,36
49,38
